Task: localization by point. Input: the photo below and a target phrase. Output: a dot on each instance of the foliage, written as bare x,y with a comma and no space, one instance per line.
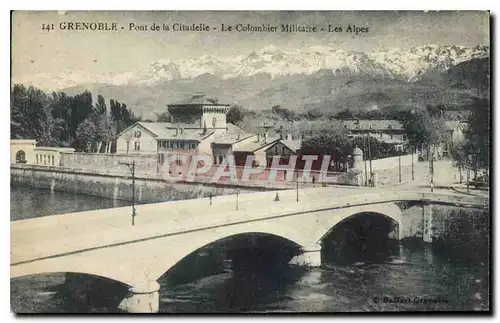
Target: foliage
235,114
422,129
283,113
331,139
474,152
62,120
163,117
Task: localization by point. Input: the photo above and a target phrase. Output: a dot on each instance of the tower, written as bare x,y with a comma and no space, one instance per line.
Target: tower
200,112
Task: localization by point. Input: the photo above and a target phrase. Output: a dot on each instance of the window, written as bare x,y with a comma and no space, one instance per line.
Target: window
283,150
52,160
137,134
37,158
161,158
137,146
380,136
21,156
45,159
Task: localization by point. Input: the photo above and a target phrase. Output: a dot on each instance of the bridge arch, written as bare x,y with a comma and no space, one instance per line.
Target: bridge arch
328,224
69,265
195,241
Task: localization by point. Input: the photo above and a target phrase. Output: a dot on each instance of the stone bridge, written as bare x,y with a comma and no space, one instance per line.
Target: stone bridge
104,243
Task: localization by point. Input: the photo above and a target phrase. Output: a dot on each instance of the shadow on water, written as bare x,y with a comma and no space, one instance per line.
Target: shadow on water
66,293
365,238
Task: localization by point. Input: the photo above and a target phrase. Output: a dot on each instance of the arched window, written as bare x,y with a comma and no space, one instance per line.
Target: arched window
21,157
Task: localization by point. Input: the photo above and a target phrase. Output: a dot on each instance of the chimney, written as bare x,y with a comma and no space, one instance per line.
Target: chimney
182,130
177,131
288,136
266,134
258,137
238,138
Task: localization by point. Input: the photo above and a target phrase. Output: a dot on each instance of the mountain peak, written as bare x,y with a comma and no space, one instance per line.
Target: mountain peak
409,65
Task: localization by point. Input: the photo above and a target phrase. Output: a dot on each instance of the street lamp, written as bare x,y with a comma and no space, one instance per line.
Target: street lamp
399,160
412,163
297,181
237,195
131,167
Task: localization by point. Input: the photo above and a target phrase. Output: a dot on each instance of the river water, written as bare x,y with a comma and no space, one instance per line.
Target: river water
406,277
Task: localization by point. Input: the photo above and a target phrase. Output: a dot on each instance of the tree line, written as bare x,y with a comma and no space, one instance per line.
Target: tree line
60,120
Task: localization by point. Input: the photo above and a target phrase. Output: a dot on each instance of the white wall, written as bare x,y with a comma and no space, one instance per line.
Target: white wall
26,145
392,162
147,142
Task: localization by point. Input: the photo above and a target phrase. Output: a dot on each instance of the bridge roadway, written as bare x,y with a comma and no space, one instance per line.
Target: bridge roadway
104,242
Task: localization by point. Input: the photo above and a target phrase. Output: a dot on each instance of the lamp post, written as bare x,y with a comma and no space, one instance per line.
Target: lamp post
370,157
131,167
399,168
237,196
412,163
431,168
297,182
366,165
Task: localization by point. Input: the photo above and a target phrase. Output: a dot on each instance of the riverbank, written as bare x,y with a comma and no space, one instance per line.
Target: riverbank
118,186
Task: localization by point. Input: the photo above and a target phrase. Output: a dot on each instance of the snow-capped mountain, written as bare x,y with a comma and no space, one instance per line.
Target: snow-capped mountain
408,65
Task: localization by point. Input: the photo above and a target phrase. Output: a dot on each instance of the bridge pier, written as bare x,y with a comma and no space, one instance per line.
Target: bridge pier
427,221
142,299
311,257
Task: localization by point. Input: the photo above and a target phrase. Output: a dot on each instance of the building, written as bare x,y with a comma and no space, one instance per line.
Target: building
454,135
224,144
25,151
388,131
264,146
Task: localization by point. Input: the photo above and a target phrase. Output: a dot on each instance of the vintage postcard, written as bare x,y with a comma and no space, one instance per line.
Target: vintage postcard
250,161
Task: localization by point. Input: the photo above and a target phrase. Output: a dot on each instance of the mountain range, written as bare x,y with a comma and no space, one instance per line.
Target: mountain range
317,76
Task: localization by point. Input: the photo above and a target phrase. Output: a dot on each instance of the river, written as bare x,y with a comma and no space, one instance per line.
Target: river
407,277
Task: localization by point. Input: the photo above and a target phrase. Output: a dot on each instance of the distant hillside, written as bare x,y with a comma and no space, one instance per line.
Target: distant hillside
318,77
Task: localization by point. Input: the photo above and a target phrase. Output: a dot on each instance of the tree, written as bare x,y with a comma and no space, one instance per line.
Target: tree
235,114
283,113
31,116
163,117
477,135
423,130
327,139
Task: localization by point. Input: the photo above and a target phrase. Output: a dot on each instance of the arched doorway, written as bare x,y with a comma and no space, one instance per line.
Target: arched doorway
21,157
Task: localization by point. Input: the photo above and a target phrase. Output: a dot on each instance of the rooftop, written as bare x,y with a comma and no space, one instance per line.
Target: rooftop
231,135
372,125
199,99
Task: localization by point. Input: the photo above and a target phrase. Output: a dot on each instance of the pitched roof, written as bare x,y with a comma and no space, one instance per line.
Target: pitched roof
231,135
199,99
293,145
185,134
167,130
372,125
254,146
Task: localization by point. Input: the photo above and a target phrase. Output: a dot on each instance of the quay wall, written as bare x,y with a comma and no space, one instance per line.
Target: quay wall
446,225
118,186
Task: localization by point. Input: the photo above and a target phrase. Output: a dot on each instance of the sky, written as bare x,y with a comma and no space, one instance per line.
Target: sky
37,51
